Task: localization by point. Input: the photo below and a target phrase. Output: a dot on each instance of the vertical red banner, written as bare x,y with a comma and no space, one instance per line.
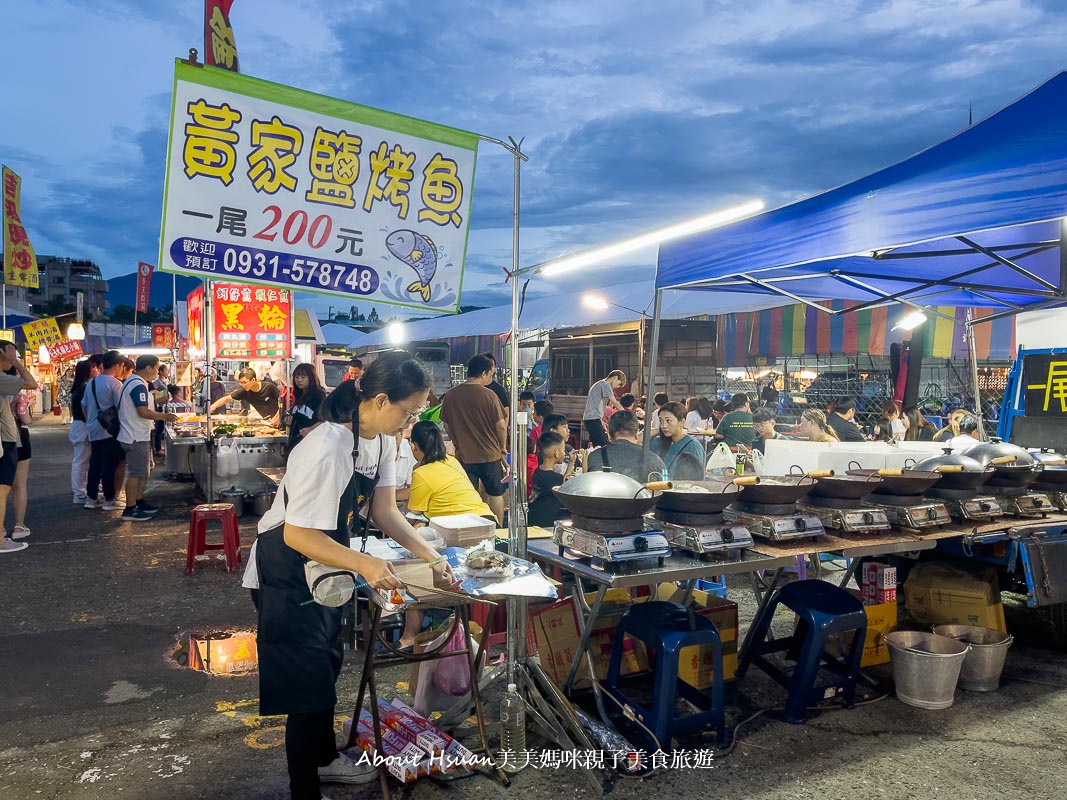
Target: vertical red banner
251,322
144,281
194,305
163,336
220,46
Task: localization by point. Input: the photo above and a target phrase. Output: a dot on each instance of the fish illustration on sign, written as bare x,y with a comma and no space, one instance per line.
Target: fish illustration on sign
419,253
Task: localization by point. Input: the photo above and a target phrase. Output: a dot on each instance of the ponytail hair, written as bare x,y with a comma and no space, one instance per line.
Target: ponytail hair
819,419
427,437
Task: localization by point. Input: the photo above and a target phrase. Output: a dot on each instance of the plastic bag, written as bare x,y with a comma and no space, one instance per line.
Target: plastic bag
443,680
721,460
756,462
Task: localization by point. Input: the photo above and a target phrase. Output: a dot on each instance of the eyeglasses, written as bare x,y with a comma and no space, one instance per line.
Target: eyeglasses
411,415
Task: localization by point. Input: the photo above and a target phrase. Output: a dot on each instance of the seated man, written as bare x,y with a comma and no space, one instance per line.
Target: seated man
624,454
763,422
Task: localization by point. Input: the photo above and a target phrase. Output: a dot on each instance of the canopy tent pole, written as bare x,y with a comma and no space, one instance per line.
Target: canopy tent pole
982,436
652,357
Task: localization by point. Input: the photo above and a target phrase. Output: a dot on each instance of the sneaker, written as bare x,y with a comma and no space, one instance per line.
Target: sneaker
93,502
344,770
9,546
20,532
80,500
147,507
134,515
114,505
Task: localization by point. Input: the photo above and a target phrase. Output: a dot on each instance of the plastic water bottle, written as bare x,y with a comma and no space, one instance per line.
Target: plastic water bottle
512,730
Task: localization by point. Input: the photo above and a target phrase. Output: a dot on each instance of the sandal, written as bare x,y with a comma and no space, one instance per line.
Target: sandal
20,532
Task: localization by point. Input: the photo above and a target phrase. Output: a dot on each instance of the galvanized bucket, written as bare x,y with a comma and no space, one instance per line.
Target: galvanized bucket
983,665
926,667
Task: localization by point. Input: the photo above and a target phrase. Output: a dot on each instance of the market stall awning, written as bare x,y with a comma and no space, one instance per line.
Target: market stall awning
973,221
626,302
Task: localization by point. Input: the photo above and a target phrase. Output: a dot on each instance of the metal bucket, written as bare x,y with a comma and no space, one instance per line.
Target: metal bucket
235,496
262,501
926,667
983,665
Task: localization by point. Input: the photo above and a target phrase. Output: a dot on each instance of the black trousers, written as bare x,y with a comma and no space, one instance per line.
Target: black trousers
595,429
157,436
104,458
309,744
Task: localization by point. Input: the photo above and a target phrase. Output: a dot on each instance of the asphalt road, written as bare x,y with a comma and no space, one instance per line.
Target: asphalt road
93,706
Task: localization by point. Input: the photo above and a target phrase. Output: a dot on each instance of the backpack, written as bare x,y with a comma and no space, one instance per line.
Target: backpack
108,417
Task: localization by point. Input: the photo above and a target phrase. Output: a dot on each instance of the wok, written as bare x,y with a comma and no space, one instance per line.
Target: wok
777,489
846,487
1053,470
719,495
959,472
1012,465
899,482
607,495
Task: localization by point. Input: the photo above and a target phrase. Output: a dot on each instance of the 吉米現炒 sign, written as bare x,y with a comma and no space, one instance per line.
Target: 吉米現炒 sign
268,184
251,322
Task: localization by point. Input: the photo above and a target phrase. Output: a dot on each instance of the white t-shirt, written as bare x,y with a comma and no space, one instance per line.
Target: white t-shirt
898,429
315,478
962,443
694,422
405,464
132,426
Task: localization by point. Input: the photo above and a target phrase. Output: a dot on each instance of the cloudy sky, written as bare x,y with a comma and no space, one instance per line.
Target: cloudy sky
634,114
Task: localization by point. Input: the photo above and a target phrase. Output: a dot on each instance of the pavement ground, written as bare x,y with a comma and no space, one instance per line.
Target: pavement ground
93,706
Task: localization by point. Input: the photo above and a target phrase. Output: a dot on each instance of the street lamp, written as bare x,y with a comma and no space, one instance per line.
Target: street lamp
76,332
395,333
599,303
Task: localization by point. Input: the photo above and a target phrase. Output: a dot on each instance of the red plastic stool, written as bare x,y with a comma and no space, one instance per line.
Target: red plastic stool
231,538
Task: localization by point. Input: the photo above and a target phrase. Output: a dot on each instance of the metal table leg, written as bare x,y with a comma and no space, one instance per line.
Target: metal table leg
587,632
762,602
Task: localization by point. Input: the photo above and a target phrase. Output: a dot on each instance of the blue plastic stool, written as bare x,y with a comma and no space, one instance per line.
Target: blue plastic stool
665,628
823,610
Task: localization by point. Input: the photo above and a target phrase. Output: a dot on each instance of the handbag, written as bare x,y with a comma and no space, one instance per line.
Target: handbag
329,586
108,417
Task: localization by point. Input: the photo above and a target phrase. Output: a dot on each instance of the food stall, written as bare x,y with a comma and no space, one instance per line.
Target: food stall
225,453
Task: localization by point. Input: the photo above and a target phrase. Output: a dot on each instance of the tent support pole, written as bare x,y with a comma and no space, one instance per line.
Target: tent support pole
1007,263
973,352
873,290
772,288
657,311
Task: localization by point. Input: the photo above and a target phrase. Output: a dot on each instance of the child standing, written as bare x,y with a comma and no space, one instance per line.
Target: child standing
545,508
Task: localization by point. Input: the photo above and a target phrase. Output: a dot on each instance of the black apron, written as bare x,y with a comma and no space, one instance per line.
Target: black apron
300,647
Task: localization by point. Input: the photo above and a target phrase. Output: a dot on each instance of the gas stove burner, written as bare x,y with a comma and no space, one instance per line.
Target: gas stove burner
766,509
688,518
852,519
895,500
1058,499
914,515
776,527
977,509
649,547
709,542
596,525
818,501
1030,504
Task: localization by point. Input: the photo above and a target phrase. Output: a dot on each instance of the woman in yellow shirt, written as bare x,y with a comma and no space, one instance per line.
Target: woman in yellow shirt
439,485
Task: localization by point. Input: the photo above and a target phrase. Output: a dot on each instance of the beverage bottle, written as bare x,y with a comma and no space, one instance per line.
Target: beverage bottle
513,729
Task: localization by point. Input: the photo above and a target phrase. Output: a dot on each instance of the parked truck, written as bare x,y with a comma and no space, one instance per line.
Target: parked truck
575,358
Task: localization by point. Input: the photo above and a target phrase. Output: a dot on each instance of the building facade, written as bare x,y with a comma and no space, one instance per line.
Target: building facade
62,278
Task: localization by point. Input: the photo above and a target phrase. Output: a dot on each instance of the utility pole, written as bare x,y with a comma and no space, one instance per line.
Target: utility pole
329,313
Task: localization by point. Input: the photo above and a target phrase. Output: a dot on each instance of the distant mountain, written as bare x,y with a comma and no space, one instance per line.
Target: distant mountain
122,290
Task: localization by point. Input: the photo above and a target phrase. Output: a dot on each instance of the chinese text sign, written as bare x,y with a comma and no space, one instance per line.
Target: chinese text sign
251,321
272,185
42,332
20,262
194,305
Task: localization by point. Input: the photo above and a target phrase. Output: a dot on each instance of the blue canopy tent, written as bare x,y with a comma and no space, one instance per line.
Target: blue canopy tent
976,220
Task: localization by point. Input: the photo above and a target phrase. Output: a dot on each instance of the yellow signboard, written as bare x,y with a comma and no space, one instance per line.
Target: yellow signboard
7,335
42,332
20,262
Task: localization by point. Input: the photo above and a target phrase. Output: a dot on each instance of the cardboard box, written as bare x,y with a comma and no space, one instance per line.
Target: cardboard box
878,583
881,619
954,593
463,530
696,663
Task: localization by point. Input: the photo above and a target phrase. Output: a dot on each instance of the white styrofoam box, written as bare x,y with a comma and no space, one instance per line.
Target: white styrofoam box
782,454
463,530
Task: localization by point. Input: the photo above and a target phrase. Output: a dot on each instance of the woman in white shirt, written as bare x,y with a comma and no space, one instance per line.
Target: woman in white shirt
699,417
300,649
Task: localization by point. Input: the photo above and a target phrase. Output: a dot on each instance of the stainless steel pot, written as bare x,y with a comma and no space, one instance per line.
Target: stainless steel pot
1053,475
262,501
235,496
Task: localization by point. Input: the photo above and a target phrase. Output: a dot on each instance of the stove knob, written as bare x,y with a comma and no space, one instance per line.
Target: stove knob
727,535
984,506
868,518
801,524
931,513
641,544
1038,502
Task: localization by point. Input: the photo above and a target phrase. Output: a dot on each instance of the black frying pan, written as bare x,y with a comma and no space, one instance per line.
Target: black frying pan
900,482
719,495
777,489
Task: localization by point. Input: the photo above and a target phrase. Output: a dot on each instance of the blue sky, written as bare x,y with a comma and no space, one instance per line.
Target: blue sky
634,114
